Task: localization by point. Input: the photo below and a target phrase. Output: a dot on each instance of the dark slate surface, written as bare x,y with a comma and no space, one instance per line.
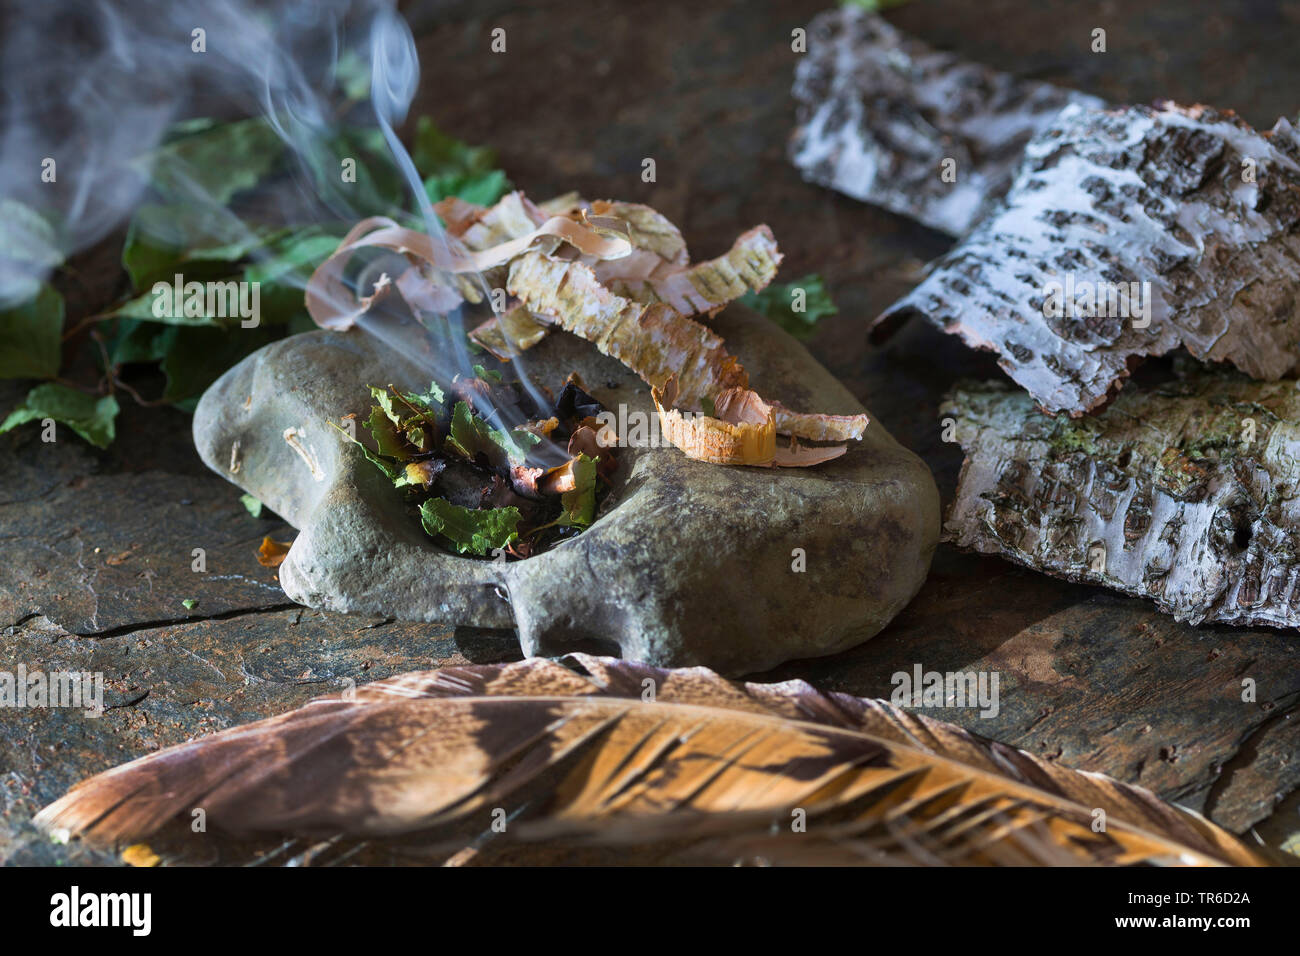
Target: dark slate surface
584,93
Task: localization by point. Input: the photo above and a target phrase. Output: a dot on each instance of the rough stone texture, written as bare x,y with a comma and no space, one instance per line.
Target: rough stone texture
880,112
101,542
688,563
1158,228
1184,493
1094,679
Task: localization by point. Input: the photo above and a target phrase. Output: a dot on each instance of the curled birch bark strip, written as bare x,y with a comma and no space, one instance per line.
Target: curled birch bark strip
654,340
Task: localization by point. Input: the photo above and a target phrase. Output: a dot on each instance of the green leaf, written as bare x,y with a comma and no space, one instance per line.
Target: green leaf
483,189
408,423
282,275
301,322
199,356
31,335
379,185
209,243
293,256
522,441
873,6
352,74
29,248
453,168
391,470
90,417
475,532
382,430
189,604
27,236
142,309
384,399
580,504
435,153
492,378
471,435
215,163
795,306
286,260
134,340
433,398
252,504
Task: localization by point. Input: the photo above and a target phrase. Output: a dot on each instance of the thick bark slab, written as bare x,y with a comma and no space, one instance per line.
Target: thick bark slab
1185,494
1192,205
879,112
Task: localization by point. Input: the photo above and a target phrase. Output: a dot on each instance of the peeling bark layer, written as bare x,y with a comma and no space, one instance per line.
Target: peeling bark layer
879,112
1187,494
1187,213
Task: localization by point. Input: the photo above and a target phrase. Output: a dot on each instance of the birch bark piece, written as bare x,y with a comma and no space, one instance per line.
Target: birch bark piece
879,112
1186,494
1188,209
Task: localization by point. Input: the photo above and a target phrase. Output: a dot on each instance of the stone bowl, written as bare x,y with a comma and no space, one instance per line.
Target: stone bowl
733,568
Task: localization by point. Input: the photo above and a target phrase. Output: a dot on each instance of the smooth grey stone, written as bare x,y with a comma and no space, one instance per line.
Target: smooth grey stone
687,563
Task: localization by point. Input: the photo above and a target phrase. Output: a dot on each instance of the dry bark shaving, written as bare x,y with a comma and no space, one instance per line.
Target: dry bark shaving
1186,494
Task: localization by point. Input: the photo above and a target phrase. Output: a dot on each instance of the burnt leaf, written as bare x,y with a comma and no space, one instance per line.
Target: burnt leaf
420,474
575,404
271,553
477,531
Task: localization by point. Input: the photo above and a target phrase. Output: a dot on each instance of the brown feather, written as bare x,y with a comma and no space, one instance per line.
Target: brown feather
574,754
